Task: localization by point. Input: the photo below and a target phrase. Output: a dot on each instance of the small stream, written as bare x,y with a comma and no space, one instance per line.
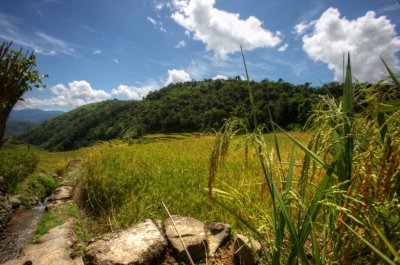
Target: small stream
19,232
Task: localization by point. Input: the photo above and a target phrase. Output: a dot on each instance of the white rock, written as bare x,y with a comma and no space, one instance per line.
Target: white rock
141,244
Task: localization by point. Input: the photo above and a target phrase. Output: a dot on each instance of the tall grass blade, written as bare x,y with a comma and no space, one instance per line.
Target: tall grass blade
240,218
315,247
340,158
298,246
251,92
348,123
376,250
307,151
280,233
391,74
382,125
313,210
387,243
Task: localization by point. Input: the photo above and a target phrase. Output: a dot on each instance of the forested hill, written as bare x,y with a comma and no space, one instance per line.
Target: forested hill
183,107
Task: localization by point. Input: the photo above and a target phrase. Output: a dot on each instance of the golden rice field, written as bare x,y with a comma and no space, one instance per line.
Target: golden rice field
127,182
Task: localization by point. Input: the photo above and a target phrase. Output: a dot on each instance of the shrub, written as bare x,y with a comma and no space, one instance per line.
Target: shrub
40,186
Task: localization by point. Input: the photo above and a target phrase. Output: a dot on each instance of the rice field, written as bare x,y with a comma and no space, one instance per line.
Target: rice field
127,182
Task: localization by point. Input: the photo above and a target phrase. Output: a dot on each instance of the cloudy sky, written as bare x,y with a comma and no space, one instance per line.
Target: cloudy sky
95,50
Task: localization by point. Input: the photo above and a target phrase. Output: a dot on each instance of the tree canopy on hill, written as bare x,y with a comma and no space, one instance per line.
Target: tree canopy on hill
182,107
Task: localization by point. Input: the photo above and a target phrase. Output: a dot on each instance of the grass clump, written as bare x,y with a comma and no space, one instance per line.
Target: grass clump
81,233
40,186
49,220
15,167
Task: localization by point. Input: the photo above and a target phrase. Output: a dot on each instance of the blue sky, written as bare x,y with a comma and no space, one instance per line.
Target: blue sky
95,50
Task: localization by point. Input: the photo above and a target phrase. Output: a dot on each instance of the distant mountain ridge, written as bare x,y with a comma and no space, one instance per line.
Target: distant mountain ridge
22,121
192,106
36,116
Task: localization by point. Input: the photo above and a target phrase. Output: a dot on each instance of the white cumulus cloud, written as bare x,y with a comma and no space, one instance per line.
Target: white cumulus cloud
219,77
125,92
97,52
77,93
302,27
222,32
366,38
176,76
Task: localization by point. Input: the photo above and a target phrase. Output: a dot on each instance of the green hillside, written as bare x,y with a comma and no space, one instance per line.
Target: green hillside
183,107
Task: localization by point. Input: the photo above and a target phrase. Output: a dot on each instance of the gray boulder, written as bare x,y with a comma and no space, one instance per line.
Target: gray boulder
217,234
141,244
193,234
62,193
246,250
15,201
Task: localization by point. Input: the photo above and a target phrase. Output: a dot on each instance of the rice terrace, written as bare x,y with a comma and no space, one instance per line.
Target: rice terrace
199,132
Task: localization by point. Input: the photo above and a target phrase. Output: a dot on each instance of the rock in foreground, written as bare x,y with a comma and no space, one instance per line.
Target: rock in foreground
247,250
141,244
193,234
217,234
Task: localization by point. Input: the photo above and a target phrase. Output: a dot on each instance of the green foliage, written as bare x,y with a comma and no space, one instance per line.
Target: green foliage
183,107
25,201
38,185
16,77
15,167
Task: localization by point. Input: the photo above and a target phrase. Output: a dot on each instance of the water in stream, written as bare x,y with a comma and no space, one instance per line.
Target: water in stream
19,232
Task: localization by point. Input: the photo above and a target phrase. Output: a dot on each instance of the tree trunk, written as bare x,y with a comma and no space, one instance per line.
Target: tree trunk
4,113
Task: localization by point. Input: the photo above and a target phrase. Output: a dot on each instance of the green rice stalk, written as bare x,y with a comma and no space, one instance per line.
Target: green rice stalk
251,92
348,124
375,249
315,247
387,243
280,233
391,74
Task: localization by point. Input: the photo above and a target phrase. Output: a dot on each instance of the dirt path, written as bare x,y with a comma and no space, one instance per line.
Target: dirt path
55,246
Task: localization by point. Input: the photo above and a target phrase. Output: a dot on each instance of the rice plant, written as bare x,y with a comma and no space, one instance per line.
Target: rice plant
340,204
